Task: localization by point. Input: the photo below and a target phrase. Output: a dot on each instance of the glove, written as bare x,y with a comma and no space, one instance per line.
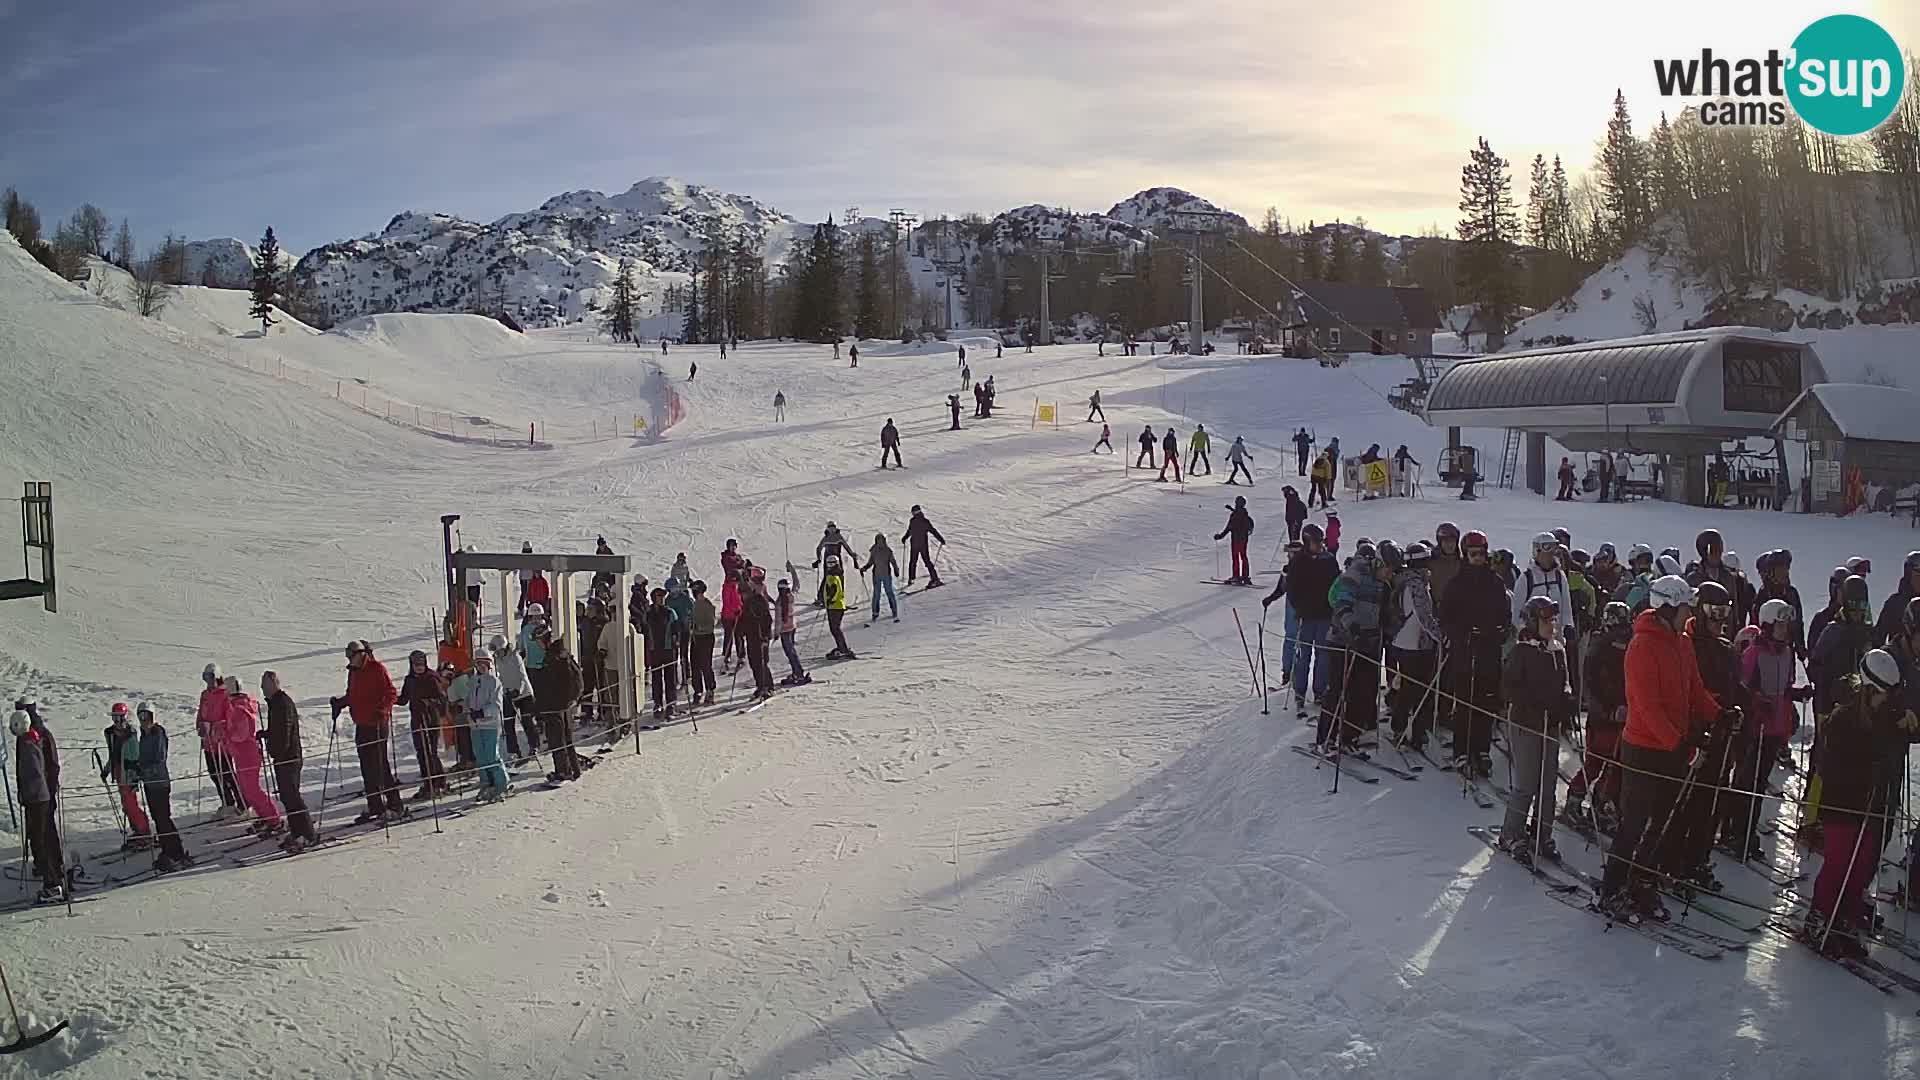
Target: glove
260,736
1909,722
1697,739
1801,693
338,704
1731,716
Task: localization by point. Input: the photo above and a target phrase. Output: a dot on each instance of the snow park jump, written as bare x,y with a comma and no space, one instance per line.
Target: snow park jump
591,635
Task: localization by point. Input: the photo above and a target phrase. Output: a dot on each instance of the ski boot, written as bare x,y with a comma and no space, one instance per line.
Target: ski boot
1606,816
400,815
1482,766
367,817
51,893
1703,878
293,845
1519,849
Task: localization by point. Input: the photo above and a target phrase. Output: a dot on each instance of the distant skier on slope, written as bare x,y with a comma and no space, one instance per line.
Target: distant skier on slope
1144,459
1302,445
788,625
953,406
1197,451
1170,455
890,443
369,701
1094,409
1106,439
882,563
693,366
833,590
780,406
756,627
831,544
1238,457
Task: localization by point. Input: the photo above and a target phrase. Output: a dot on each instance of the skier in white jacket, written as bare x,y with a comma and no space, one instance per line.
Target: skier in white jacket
516,698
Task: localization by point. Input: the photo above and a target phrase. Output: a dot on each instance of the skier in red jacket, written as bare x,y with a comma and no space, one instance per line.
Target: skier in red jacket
369,700
1669,711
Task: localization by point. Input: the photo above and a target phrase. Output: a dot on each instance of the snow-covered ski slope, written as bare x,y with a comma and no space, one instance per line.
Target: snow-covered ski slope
1041,832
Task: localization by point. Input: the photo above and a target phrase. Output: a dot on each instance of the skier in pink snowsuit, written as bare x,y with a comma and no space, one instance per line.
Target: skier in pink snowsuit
243,747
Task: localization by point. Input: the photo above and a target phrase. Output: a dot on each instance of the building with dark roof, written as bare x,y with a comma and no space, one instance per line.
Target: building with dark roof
1343,316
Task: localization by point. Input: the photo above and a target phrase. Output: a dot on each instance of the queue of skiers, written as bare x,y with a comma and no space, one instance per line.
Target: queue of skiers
1680,688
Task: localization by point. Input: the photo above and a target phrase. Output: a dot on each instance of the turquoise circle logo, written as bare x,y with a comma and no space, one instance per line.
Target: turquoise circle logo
1847,75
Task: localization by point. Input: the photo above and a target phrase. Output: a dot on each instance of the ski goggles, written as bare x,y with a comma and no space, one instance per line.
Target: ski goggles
1716,612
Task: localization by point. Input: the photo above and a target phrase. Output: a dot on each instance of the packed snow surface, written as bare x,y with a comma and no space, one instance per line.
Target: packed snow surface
1039,830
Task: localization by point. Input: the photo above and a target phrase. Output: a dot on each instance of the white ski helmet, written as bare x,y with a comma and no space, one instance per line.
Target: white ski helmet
1639,551
1670,591
536,611
1731,560
1545,540
497,644
1879,668
1666,566
1774,610
19,722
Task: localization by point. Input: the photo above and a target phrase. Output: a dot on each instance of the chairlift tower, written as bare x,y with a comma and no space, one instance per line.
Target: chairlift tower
1197,226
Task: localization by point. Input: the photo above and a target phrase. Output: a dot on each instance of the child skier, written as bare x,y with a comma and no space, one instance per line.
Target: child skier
484,711
1606,691
122,766
833,589
1106,439
784,615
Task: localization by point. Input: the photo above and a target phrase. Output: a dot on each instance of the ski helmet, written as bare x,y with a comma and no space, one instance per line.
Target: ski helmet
1853,592
1670,591
119,710
1840,574
1312,533
233,686
1391,554
1503,555
144,710
1473,540
1638,552
1544,540
916,509
1910,618
1713,600
1708,543
1579,558
211,671
1775,610
1447,529
1563,536
417,654
1333,514
1615,616
1731,560
1747,635
1666,566
1913,562
1418,554
1860,564
1365,547
1607,552
1540,607
1672,552
536,611
19,722
1881,669
497,644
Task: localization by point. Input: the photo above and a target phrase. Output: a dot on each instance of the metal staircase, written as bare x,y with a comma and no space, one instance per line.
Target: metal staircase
1510,457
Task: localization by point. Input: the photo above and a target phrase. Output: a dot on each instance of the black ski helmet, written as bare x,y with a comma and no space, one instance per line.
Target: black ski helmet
1913,562
1418,554
1562,535
1713,599
1311,532
1445,529
1391,554
1579,558
1708,540
1541,606
1853,592
1616,616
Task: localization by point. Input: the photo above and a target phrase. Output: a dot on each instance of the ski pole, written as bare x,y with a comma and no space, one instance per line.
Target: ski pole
1251,672
326,774
6,779
113,797
1263,663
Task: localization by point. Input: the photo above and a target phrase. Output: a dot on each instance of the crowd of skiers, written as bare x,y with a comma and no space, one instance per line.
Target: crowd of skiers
1679,685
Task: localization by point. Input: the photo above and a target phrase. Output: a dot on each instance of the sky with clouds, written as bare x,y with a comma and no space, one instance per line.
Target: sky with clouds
217,117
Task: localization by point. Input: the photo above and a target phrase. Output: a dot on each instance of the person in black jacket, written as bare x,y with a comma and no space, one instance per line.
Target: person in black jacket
285,753
1541,703
1842,644
953,406
1239,527
1170,455
890,442
1867,717
1605,687
756,623
1888,624
35,785
158,785
1689,840
1817,625
1307,580
118,735
1302,445
661,632
1477,617
1296,513
1776,570
425,697
556,689
918,530
1145,458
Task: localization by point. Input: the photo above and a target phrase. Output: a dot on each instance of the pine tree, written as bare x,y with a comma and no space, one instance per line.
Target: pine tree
1340,255
866,319
1311,260
1669,179
123,255
266,281
1539,205
817,301
1373,261
691,328
619,314
1488,227
1624,179
1560,217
